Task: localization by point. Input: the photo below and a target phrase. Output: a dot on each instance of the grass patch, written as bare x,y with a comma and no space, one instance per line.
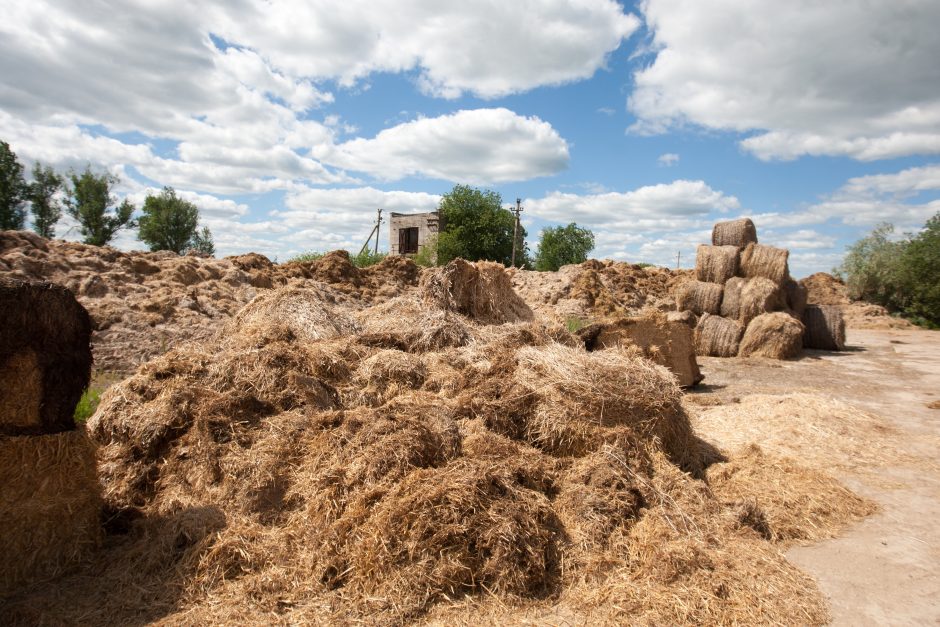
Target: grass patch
367,258
87,404
574,324
309,256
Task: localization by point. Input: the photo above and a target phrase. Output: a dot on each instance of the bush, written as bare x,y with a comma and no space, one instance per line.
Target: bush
367,258
427,254
306,257
562,245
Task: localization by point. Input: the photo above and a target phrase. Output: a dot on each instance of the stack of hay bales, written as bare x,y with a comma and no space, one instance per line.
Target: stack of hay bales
747,302
49,493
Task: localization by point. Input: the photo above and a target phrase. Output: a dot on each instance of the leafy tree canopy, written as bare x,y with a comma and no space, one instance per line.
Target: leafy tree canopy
562,245
13,190
168,222
202,242
45,206
90,203
476,226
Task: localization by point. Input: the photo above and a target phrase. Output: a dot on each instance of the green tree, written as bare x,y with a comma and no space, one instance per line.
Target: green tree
476,226
45,206
920,274
561,245
202,242
13,190
871,268
168,221
89,201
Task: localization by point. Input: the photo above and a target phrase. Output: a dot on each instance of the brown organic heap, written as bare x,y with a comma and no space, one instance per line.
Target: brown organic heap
312,466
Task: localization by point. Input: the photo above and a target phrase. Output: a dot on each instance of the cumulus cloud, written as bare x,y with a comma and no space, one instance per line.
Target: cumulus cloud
478,146
848,78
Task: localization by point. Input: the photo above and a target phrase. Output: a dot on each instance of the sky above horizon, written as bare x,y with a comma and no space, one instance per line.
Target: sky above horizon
289,123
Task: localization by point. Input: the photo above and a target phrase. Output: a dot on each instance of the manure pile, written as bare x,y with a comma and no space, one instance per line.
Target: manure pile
142,304
411,461
747,303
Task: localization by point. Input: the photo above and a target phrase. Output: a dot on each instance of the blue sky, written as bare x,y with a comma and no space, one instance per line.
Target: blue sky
290,122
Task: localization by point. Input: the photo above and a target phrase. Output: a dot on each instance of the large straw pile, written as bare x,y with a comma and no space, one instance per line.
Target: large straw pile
45,358
481,291
302,471
748,282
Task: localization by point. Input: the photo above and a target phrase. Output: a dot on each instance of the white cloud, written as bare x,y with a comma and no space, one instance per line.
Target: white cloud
478,146
484,48
668,159
842,77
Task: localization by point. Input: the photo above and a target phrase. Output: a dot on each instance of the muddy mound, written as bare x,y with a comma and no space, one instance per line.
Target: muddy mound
596,289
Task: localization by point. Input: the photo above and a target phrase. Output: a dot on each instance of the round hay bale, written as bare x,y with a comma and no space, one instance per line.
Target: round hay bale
768,262
796,296
825,327
45,357
50,505
699,297
716,264
745,299
717,337
737,233
775,335
482,291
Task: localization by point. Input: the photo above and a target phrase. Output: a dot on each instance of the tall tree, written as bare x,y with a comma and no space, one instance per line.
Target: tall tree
13,190
90,202
475,226
920,274
45,206
202,242
562,245
168,222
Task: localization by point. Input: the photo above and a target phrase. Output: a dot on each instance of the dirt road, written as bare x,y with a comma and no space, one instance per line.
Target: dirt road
885,570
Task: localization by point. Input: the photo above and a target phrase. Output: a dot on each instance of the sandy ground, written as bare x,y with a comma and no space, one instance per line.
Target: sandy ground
886,570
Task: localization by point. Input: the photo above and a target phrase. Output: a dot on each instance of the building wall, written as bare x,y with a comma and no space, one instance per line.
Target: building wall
427,223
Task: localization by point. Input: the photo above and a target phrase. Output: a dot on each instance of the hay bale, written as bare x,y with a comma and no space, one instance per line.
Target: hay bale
768,262
717,337
668,343
49,504
716,264
825,327
482,291
737,233
745,299
699,297
796,296
45,357
775,335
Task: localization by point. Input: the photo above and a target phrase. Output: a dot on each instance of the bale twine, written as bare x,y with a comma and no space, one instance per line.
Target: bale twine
738,233
768,262
745,299
699,297
45,357
796,296
482,291
776,335
717,337
825,327
716,264
49,504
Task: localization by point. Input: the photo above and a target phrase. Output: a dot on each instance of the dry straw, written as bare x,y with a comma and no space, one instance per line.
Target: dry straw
745,299
717,337
716,264
50,505
775,335
768,262
737,233
45,357
482,291
825,327
699,297
796,296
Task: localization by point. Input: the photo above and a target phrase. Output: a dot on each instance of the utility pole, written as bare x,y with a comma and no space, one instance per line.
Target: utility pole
678,260
515,230
378,230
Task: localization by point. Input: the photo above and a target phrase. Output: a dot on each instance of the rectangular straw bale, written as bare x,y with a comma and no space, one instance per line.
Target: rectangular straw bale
738,233
768,262
699,297
717,337
716,264
50,506
825,327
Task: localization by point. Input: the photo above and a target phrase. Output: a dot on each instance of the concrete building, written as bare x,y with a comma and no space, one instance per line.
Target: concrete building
409,232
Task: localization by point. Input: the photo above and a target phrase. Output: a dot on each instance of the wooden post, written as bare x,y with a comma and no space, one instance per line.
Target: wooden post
515,230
